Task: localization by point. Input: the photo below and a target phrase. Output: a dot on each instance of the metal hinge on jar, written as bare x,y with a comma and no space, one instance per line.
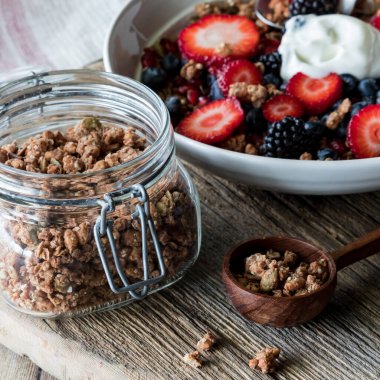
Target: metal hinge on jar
103,228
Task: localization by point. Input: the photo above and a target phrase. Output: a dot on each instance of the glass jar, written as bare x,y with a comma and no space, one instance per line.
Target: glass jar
77,243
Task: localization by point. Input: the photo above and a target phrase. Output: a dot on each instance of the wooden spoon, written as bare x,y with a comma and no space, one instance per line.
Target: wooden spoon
290,311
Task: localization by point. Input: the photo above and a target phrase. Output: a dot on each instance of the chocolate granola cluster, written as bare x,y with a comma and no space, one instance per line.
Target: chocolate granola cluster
55,267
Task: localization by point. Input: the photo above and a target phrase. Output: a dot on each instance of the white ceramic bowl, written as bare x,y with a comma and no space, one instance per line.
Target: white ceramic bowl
140,24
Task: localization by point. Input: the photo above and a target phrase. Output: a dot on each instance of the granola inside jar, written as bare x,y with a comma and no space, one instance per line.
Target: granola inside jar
95,209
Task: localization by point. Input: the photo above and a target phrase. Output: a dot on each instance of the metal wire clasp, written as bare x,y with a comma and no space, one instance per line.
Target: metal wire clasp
103,227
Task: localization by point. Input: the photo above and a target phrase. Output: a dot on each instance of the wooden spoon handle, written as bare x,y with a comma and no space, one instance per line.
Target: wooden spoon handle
360,249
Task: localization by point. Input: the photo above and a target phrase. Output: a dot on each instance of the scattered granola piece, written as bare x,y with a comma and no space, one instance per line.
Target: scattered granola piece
247,9
260,66
205,9
273,90
336,117
207,342
191,70
236,143
224,50
306,156
265,360
193,359
251,149
254,93
279,11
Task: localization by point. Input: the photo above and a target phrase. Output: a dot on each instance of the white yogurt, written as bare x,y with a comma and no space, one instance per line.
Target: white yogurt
319,45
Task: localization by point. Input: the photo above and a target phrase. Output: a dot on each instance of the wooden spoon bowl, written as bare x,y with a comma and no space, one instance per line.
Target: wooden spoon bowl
290,311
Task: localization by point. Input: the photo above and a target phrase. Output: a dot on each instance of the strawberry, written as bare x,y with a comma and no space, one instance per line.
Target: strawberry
363,134
281,106
317,95
213,122
375,22
215,38
238,71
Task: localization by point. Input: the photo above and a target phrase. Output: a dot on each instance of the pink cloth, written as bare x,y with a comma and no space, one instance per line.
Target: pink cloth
58,34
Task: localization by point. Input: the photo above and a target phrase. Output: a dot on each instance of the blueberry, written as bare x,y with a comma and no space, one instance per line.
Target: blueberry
173,103
273,79
154,77
350,84
171,63
378,97
368,87
325,153
255,120
216,92
358,106
341,131
315,128
370,99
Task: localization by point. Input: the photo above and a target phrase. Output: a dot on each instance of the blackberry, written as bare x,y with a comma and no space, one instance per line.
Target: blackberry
318,7
288,138
272,62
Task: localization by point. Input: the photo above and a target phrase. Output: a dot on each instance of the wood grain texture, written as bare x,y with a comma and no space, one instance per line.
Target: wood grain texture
148,339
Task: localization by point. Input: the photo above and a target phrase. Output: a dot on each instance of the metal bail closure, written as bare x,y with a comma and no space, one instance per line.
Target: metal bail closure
103,228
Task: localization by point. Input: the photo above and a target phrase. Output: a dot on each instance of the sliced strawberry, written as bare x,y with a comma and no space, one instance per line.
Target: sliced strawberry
240,70
317,95
213,122
364,132
375,22
281,106
216,37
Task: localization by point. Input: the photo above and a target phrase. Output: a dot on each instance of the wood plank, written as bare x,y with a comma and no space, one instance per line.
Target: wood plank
14,366
148,339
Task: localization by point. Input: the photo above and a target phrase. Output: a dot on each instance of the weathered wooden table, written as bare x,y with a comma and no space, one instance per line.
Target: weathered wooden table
148,339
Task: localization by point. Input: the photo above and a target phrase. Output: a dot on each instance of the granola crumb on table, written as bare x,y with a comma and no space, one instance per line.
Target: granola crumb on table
193,359
207,342
265,360
54,267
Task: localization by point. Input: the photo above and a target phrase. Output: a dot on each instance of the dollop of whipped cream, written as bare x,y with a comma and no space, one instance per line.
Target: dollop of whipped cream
320,45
